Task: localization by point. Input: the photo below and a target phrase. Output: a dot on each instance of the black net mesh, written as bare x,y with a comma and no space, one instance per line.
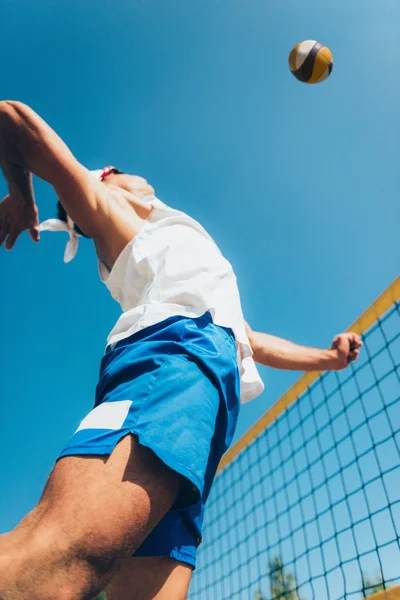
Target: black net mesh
311,508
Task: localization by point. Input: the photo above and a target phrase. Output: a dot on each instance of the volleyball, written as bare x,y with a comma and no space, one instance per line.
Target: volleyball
311,61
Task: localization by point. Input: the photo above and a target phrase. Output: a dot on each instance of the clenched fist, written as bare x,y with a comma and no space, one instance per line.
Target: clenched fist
346,349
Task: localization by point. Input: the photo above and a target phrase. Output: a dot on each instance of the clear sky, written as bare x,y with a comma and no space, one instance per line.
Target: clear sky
319,488
297,184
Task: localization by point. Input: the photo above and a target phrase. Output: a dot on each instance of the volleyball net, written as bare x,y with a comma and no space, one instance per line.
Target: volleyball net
306,506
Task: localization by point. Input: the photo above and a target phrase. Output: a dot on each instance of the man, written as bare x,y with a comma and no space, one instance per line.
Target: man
123,507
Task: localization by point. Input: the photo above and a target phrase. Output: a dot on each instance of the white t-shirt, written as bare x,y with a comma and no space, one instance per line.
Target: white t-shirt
173,267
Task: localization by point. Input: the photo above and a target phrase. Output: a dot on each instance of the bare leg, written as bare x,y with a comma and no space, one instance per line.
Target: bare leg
95,511
154,578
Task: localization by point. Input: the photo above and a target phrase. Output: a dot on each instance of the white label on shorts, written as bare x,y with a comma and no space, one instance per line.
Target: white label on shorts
109,415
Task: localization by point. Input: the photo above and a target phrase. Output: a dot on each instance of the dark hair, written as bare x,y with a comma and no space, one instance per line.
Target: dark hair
62,215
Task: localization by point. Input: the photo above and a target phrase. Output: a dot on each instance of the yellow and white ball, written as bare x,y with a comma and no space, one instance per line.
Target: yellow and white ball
311,61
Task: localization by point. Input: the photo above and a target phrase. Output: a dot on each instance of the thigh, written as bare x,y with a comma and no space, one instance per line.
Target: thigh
153,578
104,507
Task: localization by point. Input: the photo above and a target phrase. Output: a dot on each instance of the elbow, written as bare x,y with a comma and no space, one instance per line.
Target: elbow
5,108
12,130
14,121
7,122
11,104
12,110
8,112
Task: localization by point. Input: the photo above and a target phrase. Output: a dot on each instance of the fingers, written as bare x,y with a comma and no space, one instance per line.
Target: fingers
355,340
3,233
35,235
348,347
350,338
342,344
11,239
354,354
13,235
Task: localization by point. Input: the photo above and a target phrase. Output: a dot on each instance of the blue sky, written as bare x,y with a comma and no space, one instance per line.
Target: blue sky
319,488
298,184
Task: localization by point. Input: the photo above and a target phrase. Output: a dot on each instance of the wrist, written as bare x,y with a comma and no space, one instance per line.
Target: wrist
20,185
334,361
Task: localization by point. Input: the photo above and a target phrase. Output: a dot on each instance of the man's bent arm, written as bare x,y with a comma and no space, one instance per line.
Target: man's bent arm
28,145
279,353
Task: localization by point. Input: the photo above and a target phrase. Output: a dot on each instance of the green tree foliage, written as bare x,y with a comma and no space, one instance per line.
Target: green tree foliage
372,586
282,584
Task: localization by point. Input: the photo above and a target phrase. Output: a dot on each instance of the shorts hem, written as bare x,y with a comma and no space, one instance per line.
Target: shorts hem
183,557
188,559
108,449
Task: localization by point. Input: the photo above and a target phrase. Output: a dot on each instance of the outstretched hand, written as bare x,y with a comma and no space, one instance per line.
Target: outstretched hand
346,348
16,216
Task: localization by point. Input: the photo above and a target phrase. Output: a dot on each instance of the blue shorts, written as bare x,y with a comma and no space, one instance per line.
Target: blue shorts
176,386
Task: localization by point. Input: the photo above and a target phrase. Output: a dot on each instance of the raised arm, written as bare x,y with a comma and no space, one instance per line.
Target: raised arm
278,353
28,145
